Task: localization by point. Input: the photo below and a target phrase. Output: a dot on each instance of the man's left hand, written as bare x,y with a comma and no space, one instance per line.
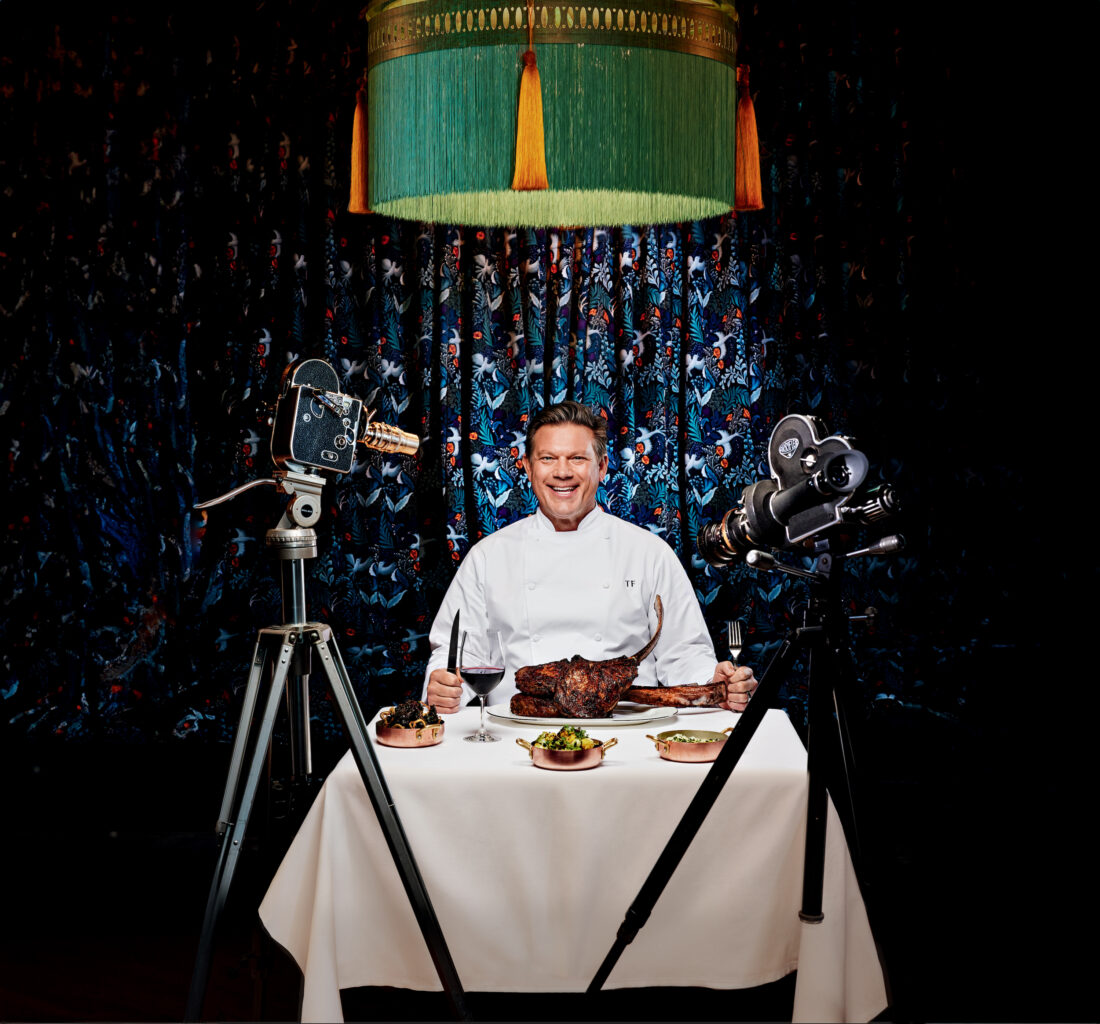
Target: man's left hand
740,683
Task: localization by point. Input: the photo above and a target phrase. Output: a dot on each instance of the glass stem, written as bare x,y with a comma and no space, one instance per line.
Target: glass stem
481,731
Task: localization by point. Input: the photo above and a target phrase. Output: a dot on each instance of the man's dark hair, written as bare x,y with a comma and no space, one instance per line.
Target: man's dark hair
570,412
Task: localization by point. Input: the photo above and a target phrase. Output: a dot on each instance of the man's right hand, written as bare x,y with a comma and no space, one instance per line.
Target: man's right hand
444,691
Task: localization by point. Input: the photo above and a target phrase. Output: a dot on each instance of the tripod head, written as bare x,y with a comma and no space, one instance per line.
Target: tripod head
765,561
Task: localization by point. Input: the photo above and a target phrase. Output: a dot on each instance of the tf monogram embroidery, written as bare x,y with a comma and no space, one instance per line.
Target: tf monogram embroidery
630,583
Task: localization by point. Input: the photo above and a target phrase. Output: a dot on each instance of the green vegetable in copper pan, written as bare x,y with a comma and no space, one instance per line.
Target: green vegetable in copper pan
569,737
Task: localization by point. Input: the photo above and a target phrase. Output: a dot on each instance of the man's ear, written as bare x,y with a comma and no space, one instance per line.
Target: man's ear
603,467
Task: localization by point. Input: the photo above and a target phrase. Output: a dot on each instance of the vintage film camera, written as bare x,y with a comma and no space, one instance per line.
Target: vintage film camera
317,426
815,483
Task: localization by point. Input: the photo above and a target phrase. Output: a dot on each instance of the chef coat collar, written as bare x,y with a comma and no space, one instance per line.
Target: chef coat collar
589,523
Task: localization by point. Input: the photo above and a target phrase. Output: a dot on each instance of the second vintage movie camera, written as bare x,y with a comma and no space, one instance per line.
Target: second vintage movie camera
815,483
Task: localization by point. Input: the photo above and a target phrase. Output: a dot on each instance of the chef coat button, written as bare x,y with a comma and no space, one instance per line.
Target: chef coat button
535,639
530,586
598,636
607,586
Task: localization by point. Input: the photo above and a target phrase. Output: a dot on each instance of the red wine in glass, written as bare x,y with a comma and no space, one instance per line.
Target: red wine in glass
482,668
482,678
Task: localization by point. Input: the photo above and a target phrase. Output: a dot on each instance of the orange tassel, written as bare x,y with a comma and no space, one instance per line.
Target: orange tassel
748,194
357,203
530,169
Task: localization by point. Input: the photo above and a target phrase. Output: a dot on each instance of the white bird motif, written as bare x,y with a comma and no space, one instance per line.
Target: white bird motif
644,437
483,365
393,369
482,465
694,363
351,368
724,438
356,565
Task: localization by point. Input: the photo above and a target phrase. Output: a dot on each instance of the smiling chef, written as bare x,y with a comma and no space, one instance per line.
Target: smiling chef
574,579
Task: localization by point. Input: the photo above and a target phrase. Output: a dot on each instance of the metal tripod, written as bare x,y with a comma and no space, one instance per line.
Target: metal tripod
830,759
281,663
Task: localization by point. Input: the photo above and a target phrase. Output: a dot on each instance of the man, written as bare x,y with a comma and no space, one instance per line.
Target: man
572,579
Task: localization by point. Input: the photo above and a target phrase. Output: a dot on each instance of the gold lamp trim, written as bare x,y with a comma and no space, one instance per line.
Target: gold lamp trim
682,26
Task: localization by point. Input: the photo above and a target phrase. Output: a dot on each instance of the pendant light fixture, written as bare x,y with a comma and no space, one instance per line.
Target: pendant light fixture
545,114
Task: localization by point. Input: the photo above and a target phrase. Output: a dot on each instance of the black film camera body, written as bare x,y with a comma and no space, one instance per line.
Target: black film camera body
813,485
317,426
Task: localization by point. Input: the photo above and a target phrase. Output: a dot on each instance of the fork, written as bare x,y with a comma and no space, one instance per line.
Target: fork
736,642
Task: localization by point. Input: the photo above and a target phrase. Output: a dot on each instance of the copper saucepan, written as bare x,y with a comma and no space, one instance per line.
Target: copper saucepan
679,750
397,736
567,760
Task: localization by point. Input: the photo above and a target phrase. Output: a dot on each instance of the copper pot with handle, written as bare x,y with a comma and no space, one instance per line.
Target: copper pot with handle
704,745
409,736
567,760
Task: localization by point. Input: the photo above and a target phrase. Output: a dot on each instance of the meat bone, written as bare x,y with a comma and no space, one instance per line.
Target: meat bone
578,687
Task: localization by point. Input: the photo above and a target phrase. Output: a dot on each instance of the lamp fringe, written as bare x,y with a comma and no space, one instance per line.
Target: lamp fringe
748,193
530,169
357,202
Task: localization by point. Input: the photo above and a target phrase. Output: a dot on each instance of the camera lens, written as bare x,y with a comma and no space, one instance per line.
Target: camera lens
839,474
720,542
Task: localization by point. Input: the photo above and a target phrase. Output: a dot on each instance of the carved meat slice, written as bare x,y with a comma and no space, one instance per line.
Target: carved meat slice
578,687
531,706
710,695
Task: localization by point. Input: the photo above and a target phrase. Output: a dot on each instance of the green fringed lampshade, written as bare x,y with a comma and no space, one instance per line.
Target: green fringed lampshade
638,103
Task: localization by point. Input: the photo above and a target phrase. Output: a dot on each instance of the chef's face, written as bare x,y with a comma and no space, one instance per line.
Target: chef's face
565,472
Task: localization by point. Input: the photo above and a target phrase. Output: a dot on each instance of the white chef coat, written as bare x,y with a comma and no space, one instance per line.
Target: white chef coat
588,591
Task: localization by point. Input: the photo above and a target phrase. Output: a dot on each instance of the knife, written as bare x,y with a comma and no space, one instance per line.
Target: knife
452,651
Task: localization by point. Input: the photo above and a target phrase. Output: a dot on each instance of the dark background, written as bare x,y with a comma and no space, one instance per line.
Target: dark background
972,785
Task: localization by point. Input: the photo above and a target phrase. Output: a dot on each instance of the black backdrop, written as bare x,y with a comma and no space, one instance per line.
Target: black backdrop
981,794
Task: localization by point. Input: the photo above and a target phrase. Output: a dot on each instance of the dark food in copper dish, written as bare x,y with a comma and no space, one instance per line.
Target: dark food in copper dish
576,687
410,714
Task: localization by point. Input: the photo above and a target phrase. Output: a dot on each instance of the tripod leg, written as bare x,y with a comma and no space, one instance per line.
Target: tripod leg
244,731
813,870
366,760
696,813
234,831
843,780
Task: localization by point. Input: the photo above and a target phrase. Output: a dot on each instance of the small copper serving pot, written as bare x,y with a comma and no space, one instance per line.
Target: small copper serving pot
567,760
396,736
673,750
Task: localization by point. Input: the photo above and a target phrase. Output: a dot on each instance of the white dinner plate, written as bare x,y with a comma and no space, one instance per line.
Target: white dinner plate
625,713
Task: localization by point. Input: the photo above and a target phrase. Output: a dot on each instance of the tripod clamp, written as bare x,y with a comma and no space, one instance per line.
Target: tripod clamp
304,487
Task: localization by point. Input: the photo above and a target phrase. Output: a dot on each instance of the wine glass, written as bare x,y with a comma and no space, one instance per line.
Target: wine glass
481,670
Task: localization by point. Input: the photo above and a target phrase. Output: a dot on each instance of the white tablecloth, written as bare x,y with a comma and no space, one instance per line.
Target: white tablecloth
531,872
